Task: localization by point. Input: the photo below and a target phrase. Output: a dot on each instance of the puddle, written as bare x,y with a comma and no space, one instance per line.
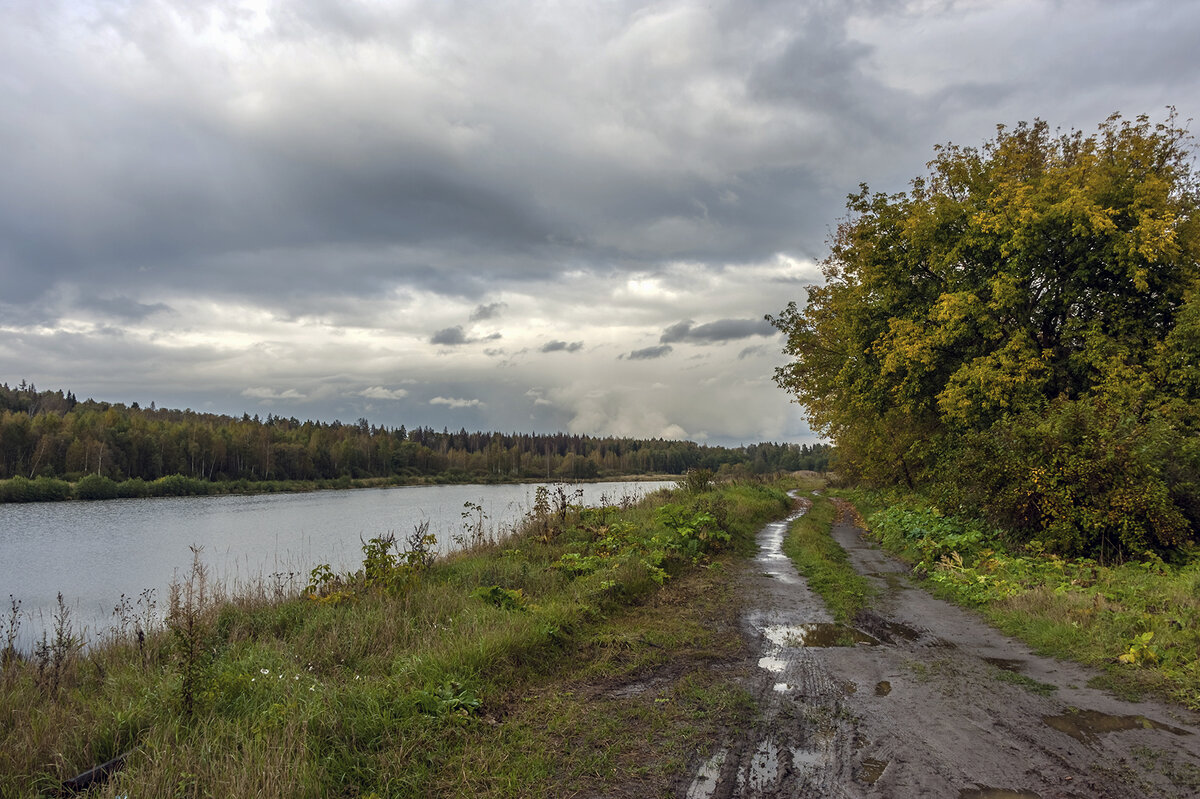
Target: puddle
772,664
1086,726
1007,664
872,770
764,768
704,785
820,634
883,688
996,793
894,580
885,630
805,760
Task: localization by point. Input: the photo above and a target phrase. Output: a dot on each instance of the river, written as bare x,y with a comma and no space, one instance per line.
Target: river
95,552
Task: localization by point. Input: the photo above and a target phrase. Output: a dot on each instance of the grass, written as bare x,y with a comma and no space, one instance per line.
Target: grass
824,563
1139,622
496,672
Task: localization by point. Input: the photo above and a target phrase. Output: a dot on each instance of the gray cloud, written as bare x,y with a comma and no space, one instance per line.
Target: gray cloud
190,208
649,353
489,311
449,337
562,346
712,332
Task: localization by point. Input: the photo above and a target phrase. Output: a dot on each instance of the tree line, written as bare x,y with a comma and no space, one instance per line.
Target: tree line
53,435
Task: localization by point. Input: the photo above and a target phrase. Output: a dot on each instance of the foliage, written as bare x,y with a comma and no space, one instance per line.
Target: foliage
1020,334
697,481
503,598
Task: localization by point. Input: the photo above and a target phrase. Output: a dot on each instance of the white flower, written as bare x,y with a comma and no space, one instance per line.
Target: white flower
264,671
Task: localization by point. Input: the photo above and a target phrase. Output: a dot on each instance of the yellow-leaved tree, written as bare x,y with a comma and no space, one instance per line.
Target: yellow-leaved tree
1019,334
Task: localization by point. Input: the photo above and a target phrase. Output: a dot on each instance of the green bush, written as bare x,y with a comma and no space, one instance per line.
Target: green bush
177,485
41,489
95,486
135,487
1084,477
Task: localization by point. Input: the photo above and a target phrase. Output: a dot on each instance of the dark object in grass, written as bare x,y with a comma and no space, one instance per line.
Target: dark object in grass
93,777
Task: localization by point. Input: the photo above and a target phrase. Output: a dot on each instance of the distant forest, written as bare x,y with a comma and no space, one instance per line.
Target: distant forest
50,434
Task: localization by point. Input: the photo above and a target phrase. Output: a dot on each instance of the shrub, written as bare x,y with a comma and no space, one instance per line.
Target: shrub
95,486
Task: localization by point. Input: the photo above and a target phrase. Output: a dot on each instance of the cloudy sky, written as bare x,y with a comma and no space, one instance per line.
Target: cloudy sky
527,215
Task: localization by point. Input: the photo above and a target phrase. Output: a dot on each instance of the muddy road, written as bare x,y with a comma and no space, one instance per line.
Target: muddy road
921,699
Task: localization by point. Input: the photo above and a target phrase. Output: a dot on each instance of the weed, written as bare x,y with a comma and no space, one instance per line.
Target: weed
12,629
473,525
697,481
188,625
503,598
53,657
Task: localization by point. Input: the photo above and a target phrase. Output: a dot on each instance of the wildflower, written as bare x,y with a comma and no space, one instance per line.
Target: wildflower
264,671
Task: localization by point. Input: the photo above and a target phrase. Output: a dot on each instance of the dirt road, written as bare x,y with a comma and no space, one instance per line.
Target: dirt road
924,700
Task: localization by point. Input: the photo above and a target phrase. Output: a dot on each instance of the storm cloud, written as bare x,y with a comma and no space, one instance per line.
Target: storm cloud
649,353
720,330
307,205
562,346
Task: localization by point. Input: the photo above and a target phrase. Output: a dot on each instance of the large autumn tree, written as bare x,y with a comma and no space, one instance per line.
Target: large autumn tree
1019,333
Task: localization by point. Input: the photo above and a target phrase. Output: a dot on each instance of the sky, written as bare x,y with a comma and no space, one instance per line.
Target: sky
518,216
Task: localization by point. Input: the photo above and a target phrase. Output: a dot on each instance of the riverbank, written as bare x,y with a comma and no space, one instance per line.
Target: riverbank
479,674
94,487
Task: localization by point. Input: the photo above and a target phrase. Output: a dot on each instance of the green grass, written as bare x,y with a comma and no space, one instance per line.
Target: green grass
823,562
491,673
1139,622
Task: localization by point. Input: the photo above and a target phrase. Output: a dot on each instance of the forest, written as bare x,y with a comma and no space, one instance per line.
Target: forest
52,436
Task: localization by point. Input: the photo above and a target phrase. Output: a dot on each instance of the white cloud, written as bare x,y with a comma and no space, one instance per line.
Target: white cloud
379,392
264,393
453,402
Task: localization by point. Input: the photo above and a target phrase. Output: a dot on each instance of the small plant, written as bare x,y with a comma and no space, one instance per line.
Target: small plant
541,511
1141,651
503,598
11,630
54,657
473,524
187,623
450,700
697,481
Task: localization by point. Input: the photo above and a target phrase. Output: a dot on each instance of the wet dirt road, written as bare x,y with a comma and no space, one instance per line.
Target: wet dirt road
923,699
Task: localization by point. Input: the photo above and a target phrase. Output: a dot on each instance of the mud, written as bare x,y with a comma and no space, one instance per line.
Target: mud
910,702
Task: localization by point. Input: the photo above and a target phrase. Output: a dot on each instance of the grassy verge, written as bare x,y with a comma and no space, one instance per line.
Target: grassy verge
573,655
1138,621
819,558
